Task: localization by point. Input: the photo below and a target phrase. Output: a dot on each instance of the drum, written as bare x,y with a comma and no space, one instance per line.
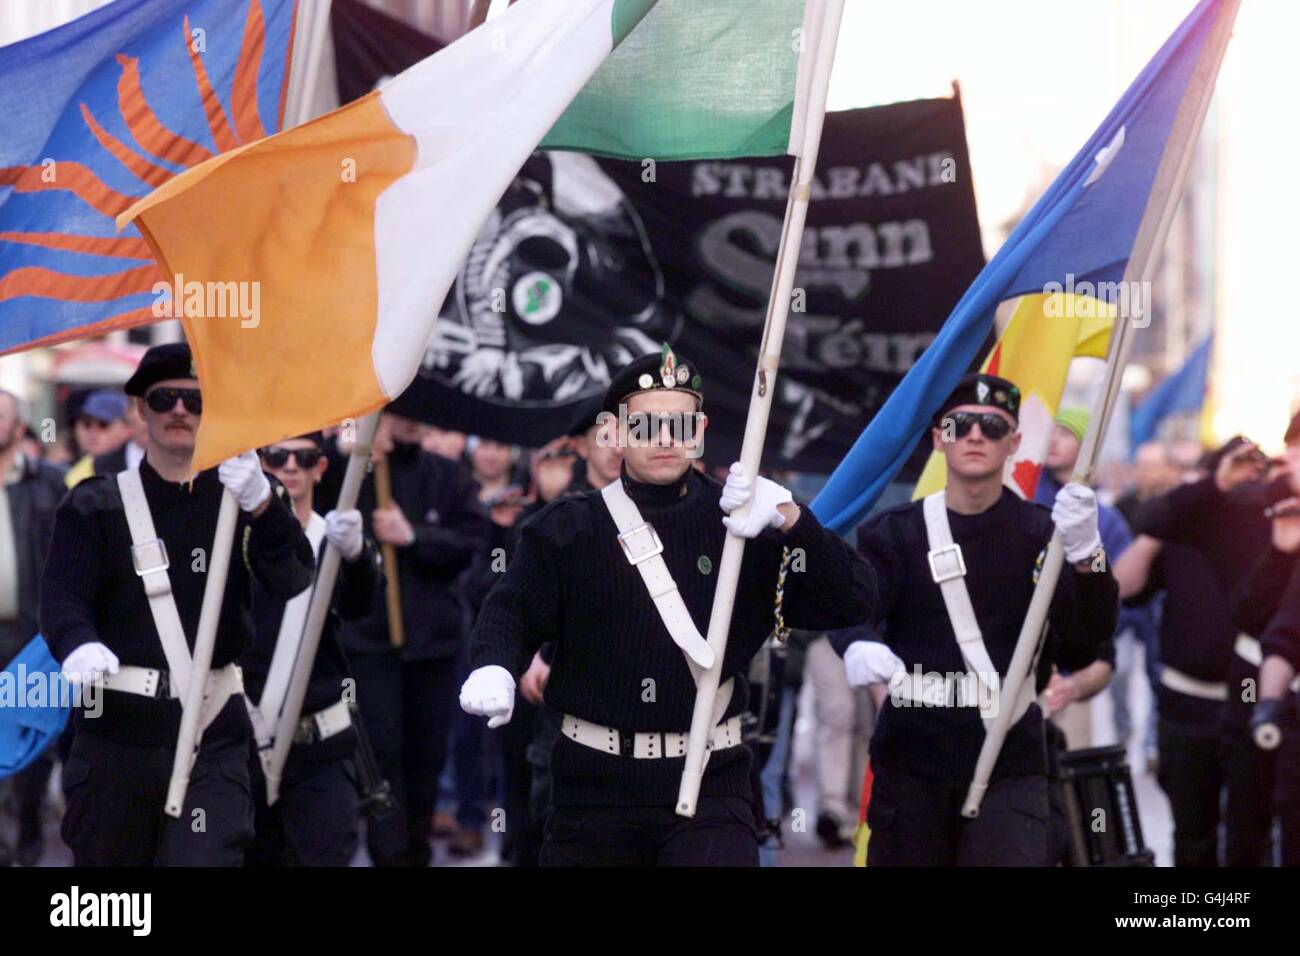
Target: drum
1101,809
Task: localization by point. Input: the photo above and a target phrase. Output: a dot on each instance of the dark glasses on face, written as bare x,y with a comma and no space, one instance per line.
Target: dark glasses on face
279,457
164,400
992,425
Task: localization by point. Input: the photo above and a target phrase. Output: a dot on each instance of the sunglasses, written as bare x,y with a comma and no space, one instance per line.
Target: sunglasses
164,400
279,457
992,425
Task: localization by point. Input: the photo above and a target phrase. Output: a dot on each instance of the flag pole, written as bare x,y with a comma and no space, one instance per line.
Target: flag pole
321,596
1162,203
309,37
769,359
214,591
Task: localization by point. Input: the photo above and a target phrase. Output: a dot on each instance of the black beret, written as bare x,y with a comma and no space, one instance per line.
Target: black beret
171,360
980,389
662,371
585,415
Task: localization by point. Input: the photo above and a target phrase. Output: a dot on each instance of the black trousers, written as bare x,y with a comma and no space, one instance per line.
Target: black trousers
1286,791
916,821
115,794
1191,773
720,834
25,799
407,708
518,846
314,821
1248,814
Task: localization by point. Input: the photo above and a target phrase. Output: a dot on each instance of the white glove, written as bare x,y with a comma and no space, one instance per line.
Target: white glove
763,512
489,692
870,662
1075,515
244,477
343,530
89,661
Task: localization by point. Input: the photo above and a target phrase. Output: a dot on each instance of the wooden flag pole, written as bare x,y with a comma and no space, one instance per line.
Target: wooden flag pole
769,359
1162,203
310,34
321,596
392,584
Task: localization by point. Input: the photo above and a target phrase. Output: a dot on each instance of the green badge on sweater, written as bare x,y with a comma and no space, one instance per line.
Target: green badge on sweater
704,564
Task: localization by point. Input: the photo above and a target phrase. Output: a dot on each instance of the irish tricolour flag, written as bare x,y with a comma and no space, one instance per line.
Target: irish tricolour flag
352,227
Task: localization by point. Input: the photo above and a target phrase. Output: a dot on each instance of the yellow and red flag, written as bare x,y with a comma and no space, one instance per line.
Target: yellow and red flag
1045,334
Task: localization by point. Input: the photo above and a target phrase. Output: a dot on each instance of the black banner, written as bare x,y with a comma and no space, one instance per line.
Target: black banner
587,264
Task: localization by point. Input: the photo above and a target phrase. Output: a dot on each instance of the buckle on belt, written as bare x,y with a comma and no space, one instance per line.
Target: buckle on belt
148,557
306,732
641,549
946,563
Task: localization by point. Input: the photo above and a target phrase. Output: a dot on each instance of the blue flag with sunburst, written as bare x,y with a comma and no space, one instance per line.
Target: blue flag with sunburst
95,115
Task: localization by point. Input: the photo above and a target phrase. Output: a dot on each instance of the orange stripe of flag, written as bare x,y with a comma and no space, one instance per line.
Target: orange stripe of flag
124,247
48,284
144,124
243,93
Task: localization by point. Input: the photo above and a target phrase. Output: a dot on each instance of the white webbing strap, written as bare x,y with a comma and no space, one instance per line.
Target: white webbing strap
149,558
266,712
948,569
644,552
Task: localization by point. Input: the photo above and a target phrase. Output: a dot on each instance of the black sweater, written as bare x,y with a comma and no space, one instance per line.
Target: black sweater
1001,547
438,498
1231,532
615,664
91,592
354,591
1267,604
1196,630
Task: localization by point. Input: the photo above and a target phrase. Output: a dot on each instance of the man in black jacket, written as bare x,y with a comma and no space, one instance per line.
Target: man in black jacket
942,693
1221,516
30,491
407,694
120,607
622,677
314,820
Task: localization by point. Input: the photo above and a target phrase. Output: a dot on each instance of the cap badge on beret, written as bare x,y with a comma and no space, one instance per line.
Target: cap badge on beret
683,374
645,381
981,391
668,368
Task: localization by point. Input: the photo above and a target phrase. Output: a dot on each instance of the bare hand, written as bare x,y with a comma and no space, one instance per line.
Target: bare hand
391,527
533,683
1244,463
1062,691
1286,527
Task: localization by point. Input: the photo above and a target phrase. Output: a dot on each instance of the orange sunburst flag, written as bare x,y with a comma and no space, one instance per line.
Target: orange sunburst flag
98,113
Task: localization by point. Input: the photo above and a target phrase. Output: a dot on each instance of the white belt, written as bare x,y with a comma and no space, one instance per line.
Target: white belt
324,724
1192,686
645,746
1249,650
149,682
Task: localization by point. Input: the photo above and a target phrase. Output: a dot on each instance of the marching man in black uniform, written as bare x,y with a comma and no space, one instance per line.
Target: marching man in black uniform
314,820
120,605
583,577
955,574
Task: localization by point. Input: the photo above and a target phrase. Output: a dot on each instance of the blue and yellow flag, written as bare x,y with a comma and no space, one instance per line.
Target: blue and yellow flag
96,114
1077,239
